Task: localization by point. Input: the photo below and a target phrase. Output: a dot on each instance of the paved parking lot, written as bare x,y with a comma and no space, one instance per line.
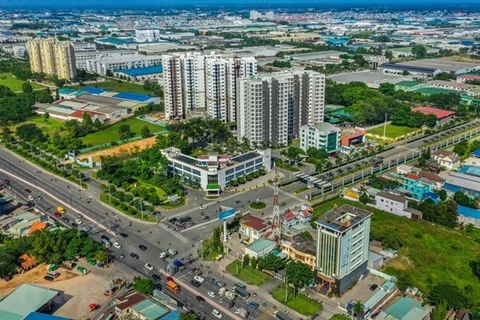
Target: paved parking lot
361,291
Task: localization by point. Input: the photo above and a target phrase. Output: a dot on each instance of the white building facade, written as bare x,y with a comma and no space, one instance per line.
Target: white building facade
81,57
147,35
271,109
320,136
102,65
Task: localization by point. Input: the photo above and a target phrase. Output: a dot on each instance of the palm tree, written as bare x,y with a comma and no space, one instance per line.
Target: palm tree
338,161
320,165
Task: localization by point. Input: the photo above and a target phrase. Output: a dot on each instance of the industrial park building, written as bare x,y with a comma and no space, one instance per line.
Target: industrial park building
102,65
203,84
272,109
52,57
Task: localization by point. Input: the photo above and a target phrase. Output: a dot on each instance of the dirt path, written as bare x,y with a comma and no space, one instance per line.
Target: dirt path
117,150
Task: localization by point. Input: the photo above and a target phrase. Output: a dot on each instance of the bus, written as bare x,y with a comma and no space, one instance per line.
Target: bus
242,292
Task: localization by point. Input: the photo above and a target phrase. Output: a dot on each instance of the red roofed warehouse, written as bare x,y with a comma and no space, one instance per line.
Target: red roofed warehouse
443,116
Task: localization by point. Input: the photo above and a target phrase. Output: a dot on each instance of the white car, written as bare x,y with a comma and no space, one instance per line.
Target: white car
199,279
163,255
217,314
211,294
78,221
149,266
203,207
117,245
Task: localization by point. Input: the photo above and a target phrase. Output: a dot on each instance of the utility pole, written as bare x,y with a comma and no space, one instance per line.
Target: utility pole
385,126
276,225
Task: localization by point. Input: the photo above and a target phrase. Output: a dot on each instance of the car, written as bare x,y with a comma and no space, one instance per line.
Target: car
148,266
123,235
121,256
206,218
219,284
134,256
283,204
80,215
117,245
163,255
199,279
217,314
236,203
210,279
39,198
203,207
173,220
142,247
28,190
49,278
195,283
104,237
253,305
65,219
155,277
78,221
211,294
373,287
200,299
74,225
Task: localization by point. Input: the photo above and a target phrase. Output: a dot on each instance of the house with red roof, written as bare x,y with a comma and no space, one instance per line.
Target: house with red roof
443,116
289,219
303,216
252,228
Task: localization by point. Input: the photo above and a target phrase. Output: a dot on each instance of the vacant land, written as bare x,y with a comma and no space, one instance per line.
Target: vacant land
392,131
48,126
111,133
300,303
121,149
7,80
247,274
117,86
432,254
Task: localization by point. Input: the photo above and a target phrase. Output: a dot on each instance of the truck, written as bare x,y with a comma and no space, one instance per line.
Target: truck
223,292
242,313
172,251
172,286
61,210
281,315
241,292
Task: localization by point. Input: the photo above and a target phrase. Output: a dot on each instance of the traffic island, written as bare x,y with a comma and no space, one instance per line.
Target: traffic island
257,205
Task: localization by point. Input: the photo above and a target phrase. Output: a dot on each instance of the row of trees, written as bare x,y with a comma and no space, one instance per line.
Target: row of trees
49,247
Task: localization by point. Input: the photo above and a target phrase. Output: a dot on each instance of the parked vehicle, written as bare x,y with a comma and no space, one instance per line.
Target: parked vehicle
117,245
172,251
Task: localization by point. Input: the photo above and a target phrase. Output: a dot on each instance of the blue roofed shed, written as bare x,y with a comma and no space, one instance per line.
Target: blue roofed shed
142,71
149,310
92,90
407,309
175,315
43,316
132,96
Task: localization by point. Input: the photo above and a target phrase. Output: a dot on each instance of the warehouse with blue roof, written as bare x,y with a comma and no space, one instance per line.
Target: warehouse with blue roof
140,74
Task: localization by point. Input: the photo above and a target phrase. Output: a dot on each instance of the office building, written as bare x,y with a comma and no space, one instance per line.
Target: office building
213,173
147,35
203,84
52,57
322,135
272,109
342,247
108,64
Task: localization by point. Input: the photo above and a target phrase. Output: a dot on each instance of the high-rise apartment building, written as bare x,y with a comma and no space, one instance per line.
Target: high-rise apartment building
52,57
342,247
272,109
204,83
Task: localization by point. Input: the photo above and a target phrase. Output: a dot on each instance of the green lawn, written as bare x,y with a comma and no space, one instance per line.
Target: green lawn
247,275
258,206
339,317
7,80
392,131
300,303
431,254
117,86
160,193
105,198
111,133
50,126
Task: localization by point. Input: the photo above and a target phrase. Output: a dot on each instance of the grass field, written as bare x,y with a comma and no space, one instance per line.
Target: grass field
50,126
339,317
7,80
300,303
117,86
432,254
105,198
392,131
247,275
160,193
111,133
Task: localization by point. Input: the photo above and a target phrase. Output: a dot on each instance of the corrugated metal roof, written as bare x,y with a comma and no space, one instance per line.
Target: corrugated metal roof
61,110
25,299
150,310
260,245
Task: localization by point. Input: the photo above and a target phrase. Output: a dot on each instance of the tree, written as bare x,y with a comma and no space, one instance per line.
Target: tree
46,116
440,311
246,260
317,154
27,87
270,262
419,51
97,124
358,308
253,262
389,55
387,88
146,132
461,147
124,131
298,275
7,263
189,316
404,280
143,285
30,132
293,154
364,198
454,296
102,256
87,120
443,195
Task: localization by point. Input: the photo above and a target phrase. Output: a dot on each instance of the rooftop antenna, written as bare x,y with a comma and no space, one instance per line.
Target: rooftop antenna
276,225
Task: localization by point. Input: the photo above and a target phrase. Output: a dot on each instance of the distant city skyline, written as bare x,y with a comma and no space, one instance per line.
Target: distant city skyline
272,4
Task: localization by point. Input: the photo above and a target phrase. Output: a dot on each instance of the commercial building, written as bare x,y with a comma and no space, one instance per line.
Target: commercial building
443,116
27,299
301,249
140,74
252,228
79,46
350,137
413,186
399,69
52,57
409,86
196,83
260,248
102,65
463,78
147,35
342,247
320,136
81,57
213,173
272,109
466,180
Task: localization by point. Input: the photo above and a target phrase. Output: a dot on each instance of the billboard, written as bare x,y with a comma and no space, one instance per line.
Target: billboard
222,215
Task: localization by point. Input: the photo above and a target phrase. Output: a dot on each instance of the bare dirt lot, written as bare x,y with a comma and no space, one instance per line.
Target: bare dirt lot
78,290
117,150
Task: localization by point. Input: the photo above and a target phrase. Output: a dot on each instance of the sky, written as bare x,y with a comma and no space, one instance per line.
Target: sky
435,4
